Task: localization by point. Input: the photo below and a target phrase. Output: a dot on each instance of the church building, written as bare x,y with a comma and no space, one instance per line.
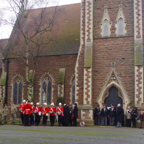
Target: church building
96,59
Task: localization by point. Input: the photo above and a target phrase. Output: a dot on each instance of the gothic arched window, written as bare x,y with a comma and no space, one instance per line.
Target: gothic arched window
46,90
17,91
105,28
120,26
73,91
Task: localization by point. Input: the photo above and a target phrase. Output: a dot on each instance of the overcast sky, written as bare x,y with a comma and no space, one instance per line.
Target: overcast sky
5,30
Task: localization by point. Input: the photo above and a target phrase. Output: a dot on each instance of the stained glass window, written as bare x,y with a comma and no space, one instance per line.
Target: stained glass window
46,91
17,91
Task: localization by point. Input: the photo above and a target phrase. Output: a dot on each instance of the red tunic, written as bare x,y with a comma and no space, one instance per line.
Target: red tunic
27,109
52,111
45,110
33,109
60,111
21,108
37,110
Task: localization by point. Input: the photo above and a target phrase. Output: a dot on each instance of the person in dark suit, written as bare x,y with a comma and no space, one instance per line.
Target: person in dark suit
112,114
134,115
119,115
97,115
104,114
75,113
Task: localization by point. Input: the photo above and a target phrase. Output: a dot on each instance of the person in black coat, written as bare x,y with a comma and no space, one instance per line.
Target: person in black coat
112,114
119,115
75,113
134,115
97,115
65,119
104,114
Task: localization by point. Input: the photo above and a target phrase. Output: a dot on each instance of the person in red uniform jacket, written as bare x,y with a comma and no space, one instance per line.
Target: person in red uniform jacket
37,113
52,111
45,111
27,112
60,111
32,114
22,111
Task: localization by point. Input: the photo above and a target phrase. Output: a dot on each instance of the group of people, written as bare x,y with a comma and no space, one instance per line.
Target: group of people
5,111
31,115
115,116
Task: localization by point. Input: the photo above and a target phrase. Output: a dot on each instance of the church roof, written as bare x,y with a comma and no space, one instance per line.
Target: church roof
3,43
66,34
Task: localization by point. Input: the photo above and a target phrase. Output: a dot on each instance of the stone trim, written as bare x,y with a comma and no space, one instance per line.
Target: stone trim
113,80
71,88
138,85
49,75
120,15
12,85
105,17
18,76
87,86
40,84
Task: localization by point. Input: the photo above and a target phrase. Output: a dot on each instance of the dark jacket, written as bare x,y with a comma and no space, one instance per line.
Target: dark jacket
75,112
119,114
104,113
112,113
134,114
96,112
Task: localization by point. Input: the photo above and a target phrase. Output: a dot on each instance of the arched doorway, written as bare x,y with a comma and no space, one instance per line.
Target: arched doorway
113,98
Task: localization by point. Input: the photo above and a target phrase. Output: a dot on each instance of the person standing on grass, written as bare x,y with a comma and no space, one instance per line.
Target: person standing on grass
128,116
119,115
134,115
5,114
21,111
37,110
104,114
141,115
97,113
112,114
52,111
45,112
60,112
13,113
1,109
75,114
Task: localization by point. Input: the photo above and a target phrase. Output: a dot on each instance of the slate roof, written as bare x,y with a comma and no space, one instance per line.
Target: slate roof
3,43
66,34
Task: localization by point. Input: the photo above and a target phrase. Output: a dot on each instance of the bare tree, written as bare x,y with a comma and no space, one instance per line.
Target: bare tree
32,30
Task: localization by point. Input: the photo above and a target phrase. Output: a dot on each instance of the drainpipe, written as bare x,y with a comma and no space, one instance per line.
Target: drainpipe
6,85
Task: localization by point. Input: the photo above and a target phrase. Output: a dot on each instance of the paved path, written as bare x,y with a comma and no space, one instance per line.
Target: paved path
70,135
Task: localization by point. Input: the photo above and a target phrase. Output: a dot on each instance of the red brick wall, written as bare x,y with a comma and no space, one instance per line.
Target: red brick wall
119,50
51,65
113,9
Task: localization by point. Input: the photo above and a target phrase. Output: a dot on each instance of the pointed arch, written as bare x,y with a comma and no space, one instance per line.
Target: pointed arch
105,23
46,83
113,80
120,22
17,84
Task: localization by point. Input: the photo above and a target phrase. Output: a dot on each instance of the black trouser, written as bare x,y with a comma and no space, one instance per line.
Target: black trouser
52,118
44,120
32,119
128,121
37,119
59,120
75,121
134,122
27,120
22,118
96,120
